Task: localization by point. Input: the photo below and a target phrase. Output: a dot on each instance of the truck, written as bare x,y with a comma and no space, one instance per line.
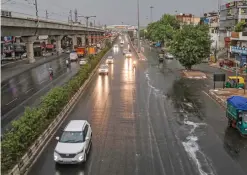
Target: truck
81,51
91,50
236,113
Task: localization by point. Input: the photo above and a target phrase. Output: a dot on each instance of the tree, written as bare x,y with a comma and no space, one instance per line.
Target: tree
240,26
163,30
191,45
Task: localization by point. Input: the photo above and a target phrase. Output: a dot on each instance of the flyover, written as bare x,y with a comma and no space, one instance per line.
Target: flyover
29,29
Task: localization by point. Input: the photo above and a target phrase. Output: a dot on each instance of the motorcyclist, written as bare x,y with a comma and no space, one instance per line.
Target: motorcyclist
51,72
134,64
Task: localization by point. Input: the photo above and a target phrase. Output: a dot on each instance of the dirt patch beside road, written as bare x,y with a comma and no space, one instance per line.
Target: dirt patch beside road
221,95
194,74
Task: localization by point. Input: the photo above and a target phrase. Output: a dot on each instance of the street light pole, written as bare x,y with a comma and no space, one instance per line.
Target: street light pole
151,14
138,24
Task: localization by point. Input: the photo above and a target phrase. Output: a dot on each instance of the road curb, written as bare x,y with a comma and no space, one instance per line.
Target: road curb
40,144
218,99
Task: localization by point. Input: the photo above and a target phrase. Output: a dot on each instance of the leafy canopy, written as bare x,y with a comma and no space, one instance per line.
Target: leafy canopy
191,45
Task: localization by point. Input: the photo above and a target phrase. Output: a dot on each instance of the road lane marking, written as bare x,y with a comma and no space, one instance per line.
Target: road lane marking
11,101
28,90
42,81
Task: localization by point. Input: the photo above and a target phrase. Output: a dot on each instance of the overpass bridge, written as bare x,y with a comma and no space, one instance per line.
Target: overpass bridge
29,29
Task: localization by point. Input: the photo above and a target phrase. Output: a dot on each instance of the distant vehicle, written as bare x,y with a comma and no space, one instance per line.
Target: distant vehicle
115,46
24,55
169,56
74,144
128,55
67,51
73,56
81,51
83,61
104,69
125,51
161,58
109,60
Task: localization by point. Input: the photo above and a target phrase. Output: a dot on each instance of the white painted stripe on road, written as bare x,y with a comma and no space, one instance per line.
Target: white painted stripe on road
42,81
11,101
28,90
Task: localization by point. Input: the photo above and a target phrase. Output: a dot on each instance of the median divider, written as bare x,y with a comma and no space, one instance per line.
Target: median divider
36,148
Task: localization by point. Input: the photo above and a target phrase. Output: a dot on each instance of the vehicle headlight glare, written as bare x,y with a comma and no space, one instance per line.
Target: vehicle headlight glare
80,158
55,157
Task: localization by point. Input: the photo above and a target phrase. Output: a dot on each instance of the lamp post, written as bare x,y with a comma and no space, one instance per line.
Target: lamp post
87,18
138,24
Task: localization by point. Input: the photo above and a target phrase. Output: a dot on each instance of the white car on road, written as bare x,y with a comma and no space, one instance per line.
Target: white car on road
169,56
128,55
73,56
104,69
83,61
74,144
125,51
109,60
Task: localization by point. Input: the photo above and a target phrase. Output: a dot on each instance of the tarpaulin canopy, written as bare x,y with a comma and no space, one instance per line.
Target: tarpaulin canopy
238,102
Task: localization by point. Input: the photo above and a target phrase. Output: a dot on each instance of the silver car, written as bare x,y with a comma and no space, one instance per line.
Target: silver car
74,144
104,69
109,60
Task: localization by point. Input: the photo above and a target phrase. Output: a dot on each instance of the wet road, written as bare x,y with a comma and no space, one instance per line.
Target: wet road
23,90
151,121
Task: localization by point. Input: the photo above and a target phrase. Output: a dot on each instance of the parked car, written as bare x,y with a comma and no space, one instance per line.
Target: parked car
74,144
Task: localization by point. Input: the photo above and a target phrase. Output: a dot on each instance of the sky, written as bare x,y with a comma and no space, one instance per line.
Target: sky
109,12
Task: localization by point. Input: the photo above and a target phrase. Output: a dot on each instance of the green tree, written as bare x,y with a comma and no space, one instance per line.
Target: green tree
191,45
164,29
240,26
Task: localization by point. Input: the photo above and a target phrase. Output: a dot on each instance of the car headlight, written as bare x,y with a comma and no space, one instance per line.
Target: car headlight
55,155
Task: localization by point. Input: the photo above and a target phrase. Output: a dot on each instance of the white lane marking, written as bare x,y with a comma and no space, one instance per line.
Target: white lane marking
28,90
11,101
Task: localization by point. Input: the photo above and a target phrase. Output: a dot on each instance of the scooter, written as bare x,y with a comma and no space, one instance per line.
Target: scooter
134,64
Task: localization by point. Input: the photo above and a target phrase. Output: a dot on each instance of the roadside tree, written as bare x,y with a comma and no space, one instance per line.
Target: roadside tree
191,45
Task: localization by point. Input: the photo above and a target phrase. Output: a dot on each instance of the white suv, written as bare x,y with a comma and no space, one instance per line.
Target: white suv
74,144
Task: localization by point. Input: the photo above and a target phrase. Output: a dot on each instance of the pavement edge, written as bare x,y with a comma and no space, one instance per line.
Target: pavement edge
217,98
40,144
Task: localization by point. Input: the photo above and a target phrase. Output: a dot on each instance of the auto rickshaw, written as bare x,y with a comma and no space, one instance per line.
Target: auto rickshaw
235,82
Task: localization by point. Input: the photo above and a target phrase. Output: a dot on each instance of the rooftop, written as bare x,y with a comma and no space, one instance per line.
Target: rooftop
75,125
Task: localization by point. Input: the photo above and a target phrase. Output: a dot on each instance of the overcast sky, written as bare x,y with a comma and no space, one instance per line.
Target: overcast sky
111,11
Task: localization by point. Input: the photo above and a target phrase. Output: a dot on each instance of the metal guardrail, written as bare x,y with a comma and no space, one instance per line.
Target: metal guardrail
44,139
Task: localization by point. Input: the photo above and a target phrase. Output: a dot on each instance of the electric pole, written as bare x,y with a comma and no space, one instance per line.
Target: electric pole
151,14
76,16
36,8
87,18
70,16
46,14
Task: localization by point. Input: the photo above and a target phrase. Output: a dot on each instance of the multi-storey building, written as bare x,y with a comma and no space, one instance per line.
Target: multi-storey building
230,15
187,19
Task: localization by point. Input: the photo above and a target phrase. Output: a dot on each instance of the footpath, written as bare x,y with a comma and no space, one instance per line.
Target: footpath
17,68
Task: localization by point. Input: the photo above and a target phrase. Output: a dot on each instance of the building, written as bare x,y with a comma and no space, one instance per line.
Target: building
187,19
212,19
230,15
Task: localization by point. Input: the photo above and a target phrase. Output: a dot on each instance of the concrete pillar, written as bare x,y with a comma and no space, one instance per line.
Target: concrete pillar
18,40
94,39
74,40
83,40
58,39
29,40
90,40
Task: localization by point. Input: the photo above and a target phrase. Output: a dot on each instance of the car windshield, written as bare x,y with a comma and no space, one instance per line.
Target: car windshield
72,137
110,57
104,67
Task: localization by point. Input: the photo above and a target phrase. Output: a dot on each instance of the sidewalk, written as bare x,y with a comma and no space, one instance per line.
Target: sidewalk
221,95
8,72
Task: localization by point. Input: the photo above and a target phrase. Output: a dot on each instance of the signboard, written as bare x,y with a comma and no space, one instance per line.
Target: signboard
242,4
49,46
239,50
43,37
235,34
